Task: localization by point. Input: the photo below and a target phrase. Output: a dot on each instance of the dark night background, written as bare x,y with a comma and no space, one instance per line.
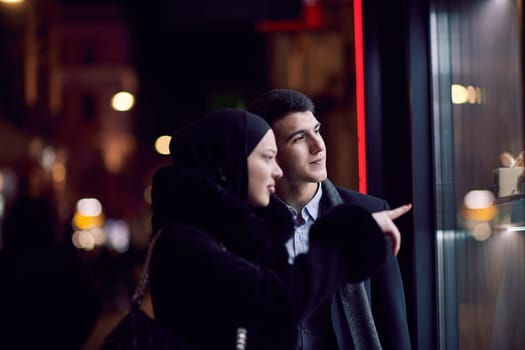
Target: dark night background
194,56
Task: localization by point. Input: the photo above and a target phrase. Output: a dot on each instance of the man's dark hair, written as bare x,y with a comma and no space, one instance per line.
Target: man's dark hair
275,104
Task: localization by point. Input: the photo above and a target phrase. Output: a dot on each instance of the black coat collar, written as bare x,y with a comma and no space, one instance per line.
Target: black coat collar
182,195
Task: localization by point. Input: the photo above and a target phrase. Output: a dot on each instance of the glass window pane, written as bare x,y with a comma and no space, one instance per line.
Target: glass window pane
478,150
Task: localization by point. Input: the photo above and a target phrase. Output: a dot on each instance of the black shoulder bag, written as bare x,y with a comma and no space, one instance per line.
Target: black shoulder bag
137,331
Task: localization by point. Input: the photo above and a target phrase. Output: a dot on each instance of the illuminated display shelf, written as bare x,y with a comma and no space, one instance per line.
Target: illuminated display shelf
511,210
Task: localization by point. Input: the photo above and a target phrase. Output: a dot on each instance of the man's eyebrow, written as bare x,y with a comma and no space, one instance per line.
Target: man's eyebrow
302,131
295,133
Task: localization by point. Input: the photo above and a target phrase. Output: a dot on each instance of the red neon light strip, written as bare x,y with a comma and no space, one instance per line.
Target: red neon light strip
360,94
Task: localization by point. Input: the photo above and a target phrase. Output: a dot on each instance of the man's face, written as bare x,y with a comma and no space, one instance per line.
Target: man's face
301,149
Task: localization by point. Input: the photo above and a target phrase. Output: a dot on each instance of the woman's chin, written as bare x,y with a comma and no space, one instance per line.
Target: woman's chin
259,202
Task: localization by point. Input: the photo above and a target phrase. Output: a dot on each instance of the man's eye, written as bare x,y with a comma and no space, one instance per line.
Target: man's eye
299,138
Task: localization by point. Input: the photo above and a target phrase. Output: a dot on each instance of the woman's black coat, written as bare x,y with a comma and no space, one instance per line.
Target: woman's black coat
218,266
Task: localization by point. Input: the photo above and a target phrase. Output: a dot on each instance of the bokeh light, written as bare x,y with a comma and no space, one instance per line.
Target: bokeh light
459,94
48,157
481,231
162,145
89,207
122,101
479,205
118,235
58,173
89,214
478,199
466,94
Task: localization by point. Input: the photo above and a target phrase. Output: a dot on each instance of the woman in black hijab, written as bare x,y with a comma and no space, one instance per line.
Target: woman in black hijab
219,266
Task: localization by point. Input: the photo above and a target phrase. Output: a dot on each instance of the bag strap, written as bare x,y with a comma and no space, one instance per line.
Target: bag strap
142,286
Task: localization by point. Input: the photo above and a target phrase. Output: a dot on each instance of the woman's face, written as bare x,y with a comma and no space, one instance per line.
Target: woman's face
262,171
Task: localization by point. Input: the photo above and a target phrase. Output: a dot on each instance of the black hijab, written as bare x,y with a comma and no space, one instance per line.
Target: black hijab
218,145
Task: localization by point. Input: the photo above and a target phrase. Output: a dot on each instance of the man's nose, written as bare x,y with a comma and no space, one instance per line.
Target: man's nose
316,144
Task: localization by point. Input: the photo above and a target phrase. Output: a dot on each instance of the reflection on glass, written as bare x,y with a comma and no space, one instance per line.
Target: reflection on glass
479,144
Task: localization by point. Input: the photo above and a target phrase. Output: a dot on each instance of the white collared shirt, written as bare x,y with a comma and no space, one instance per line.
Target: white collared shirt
298,244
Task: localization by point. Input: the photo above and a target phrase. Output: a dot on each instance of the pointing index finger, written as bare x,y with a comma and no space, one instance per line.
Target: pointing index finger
397,212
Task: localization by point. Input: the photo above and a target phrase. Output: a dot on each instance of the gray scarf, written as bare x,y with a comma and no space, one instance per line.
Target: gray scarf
353,297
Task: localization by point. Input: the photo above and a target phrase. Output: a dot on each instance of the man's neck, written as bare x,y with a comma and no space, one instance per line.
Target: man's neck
296,195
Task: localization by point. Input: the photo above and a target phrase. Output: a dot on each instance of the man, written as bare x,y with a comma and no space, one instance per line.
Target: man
368,315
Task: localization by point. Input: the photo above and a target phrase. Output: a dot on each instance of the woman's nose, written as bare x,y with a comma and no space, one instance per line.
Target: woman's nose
277,171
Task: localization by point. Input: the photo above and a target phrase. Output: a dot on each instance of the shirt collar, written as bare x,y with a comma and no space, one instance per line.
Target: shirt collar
311,209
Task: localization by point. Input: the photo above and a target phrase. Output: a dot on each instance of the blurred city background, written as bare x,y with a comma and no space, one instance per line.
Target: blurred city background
90,92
